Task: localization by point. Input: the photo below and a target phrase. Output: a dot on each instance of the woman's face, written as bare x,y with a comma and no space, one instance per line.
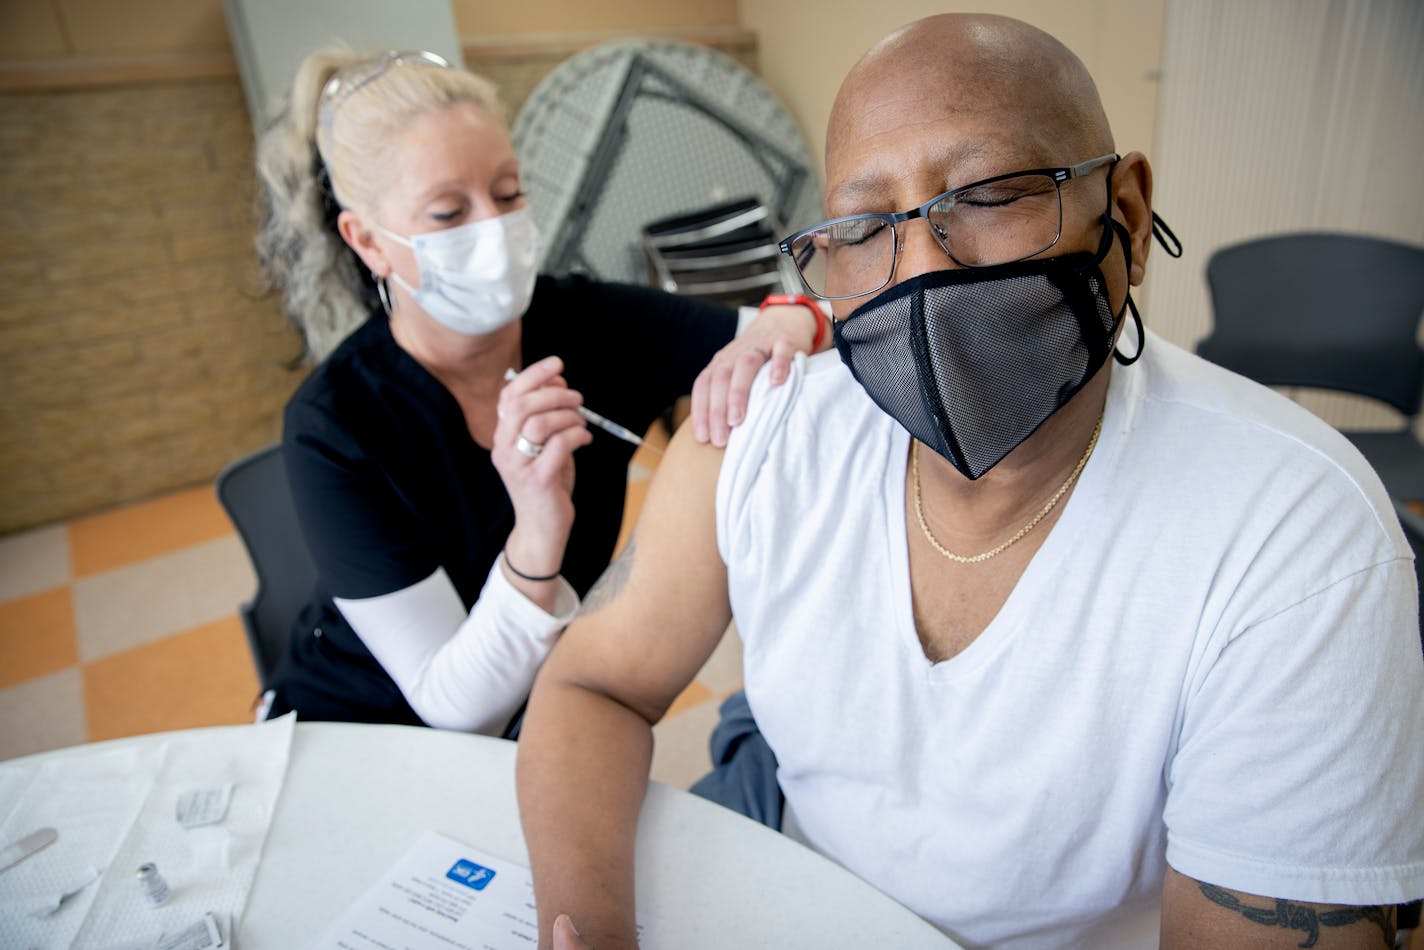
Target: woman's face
452,167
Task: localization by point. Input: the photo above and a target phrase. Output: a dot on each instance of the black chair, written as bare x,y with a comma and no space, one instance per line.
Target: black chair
726,253
254,493
1329,311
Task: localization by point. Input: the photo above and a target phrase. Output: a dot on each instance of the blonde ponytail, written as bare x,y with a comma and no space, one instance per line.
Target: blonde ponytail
308,171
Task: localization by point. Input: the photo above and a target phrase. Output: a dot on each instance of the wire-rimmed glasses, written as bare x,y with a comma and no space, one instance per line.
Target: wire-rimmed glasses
998,220
348,79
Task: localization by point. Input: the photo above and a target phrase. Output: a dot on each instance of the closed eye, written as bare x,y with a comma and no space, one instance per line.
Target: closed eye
854,233
1003,193
984,198
978,201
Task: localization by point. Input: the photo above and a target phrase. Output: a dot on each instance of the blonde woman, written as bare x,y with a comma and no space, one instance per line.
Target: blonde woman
456,518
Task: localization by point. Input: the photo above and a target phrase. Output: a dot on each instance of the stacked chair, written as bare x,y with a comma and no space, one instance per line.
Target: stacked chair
632,148
726,253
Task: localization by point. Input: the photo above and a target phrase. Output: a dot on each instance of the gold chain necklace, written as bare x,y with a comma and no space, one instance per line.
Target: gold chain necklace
1043,512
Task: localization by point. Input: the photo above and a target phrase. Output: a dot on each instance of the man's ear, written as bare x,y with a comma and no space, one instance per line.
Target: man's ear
1132,205
363,241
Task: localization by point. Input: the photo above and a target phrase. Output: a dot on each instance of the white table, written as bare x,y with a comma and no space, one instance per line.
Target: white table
356,797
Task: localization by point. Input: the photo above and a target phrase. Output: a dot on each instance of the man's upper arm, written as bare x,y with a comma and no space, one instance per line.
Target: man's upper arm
661,607
1197,914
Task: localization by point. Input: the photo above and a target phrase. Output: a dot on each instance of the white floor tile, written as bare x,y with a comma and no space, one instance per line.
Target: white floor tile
42,714
32,561
139,603
680,745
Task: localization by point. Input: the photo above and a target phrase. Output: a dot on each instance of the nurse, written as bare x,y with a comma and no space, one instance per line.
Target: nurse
456,518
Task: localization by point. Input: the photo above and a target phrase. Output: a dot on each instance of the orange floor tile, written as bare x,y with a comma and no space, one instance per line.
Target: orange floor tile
694,694
644,463
158,680
655,442
203,677
36,636
133,533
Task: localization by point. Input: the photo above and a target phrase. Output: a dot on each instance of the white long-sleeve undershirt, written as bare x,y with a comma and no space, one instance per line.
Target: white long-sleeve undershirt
462,672
465,672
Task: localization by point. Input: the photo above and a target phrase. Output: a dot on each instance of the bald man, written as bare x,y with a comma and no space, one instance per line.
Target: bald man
1054,645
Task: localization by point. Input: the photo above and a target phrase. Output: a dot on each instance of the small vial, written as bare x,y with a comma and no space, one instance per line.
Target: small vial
154,887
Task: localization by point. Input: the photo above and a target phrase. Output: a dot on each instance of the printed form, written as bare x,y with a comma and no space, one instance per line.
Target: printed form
443,894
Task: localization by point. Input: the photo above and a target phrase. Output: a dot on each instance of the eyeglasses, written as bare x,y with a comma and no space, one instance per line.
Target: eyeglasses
348,79
998,220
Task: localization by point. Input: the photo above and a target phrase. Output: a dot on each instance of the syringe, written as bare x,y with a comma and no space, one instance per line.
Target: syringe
607,425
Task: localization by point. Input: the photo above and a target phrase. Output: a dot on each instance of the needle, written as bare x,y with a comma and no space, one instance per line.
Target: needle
607,425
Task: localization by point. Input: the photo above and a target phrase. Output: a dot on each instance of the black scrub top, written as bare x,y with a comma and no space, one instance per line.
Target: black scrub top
389,486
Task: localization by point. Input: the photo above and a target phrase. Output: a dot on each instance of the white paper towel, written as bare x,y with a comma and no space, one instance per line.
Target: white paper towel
91,800
117,810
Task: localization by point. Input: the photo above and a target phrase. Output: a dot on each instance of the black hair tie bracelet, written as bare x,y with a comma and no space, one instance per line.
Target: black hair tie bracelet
523,576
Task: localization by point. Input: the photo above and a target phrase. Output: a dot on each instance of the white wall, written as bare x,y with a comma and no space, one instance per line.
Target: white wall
807,46
1284,115
1273,115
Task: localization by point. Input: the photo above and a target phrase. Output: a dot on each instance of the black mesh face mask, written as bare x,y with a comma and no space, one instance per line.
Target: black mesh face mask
972,361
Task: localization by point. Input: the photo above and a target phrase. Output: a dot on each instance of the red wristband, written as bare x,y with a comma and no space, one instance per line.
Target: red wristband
822,324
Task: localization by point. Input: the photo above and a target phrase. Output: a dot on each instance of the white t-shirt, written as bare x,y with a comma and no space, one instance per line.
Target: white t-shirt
1213,661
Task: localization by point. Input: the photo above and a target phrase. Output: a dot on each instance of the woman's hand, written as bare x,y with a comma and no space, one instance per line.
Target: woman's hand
538,430
719,395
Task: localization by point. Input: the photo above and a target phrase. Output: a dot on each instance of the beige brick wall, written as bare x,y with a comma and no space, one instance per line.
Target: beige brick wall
135,353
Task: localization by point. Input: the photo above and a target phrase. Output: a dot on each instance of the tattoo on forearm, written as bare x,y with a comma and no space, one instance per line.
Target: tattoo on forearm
614,579
1292,916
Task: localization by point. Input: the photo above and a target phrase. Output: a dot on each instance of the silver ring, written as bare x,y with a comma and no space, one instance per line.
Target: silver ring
524,447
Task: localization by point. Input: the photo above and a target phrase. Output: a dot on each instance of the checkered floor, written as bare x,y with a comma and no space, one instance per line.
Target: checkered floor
125,622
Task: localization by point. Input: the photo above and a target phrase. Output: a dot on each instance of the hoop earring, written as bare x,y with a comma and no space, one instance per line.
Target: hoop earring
383,292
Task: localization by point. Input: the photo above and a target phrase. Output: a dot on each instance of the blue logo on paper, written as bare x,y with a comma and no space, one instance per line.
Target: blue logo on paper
472,875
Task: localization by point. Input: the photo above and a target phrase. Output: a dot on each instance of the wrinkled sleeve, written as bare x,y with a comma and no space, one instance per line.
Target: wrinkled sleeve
468,672
746,455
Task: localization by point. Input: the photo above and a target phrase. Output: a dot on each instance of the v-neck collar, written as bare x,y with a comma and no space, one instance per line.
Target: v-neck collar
1088,495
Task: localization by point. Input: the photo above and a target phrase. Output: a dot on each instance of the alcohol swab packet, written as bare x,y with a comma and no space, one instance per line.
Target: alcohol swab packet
207,933
203,806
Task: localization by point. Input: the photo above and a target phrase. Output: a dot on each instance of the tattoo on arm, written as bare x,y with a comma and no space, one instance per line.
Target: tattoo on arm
614,579
1304,917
